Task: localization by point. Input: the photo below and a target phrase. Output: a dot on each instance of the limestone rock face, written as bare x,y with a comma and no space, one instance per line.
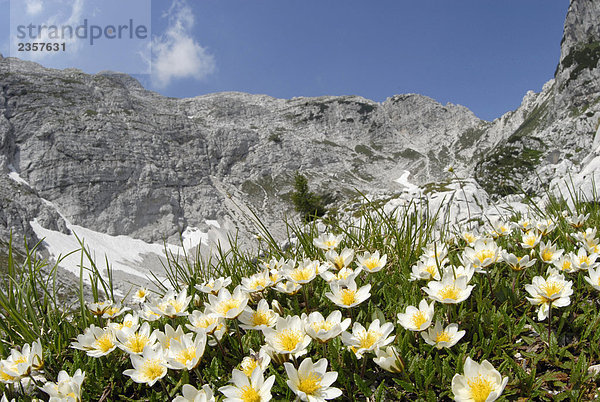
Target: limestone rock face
118,159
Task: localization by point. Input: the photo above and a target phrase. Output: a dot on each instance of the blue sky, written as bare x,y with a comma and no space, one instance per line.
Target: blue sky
484,54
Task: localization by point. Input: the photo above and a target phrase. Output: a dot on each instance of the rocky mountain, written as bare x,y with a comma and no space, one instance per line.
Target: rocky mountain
103,153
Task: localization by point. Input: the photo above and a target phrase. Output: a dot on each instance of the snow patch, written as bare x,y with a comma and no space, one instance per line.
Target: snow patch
16,177
408,186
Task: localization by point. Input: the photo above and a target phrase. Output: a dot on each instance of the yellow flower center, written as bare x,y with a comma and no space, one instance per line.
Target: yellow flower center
547,254
227,305
371,264
322,325
418,319
111,311
206,322
469,237
584,260
368,339
432,270
480,388
566,265
260,318
152,369
176,305
249,394
248,365
288,339
330,243
104,343
449,292
6,377
303,274
140,294
186,355
339,262
552,289
310,384
348,296
260,282
442,337
484,255
136,343
20,359
530,241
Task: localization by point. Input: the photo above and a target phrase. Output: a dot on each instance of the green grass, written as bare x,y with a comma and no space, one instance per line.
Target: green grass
500,324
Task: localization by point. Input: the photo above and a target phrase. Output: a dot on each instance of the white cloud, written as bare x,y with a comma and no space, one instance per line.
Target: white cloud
176,54
33,7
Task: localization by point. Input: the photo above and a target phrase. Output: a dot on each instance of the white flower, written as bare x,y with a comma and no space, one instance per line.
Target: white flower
305,272
327,241
530,239
172,304
131,321
321,329
348,296
441,337
95,341
545,226
260,319
593,278
517,263
363,340
436,250
389,360
484,253
147,313
22,364
140,295
427,268
134,341
214,285
169,334
311,382
448,290
191,394
500,228
586,238
186,352
288,336
67,388
549,253
257,282
480,382
288,287
226,304
371,263
202,322
577,221
566,263
583,261
340,260
417,319
244,389
459,271
551,292
149,367
254,360
341,276
470,236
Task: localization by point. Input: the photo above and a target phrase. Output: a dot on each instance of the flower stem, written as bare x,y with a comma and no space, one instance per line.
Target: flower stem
549,322
164,387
